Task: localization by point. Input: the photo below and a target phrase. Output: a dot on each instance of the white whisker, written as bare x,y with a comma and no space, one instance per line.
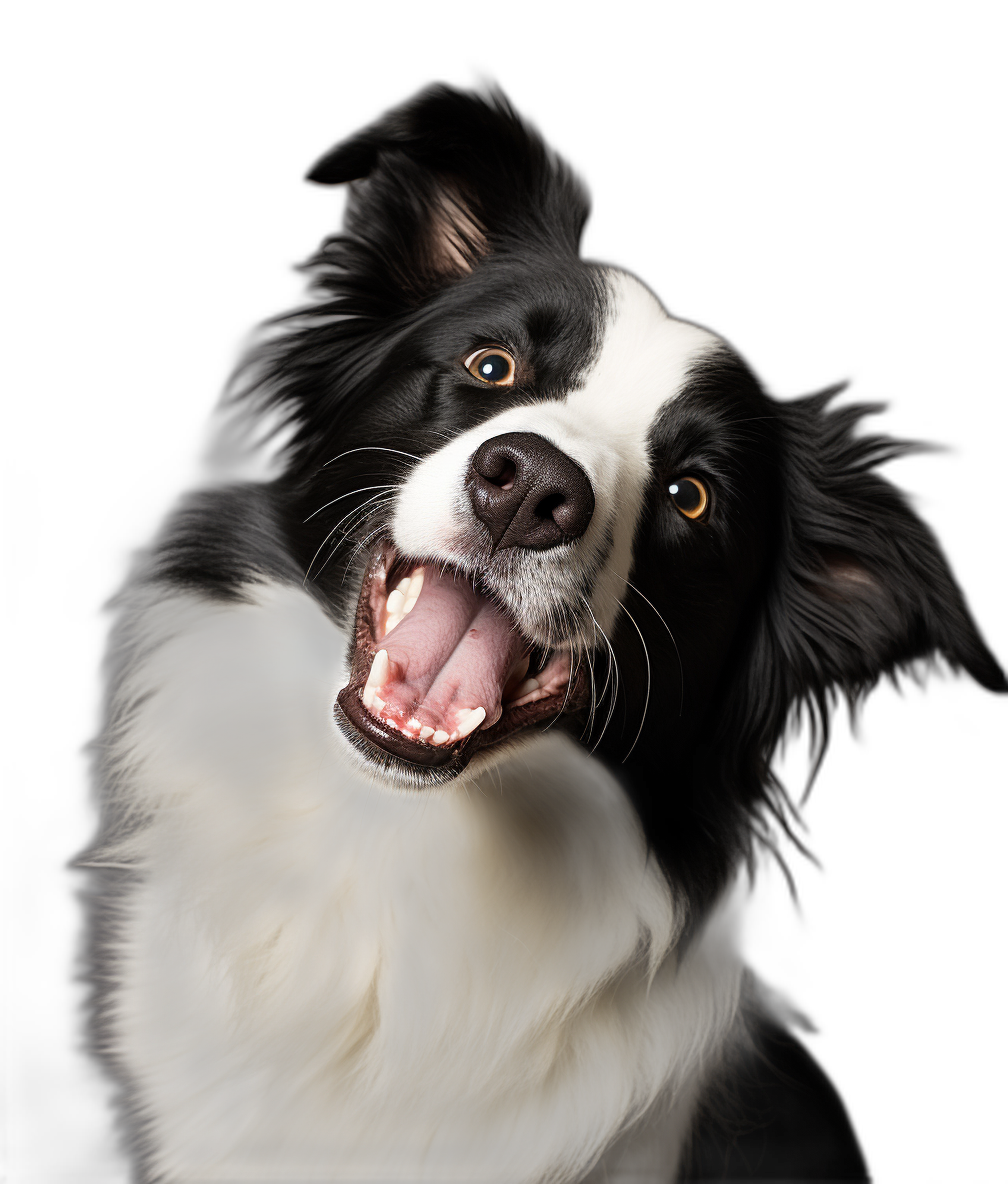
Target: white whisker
304,582
377,498
682,679
356,509
614,668
371,448
647,692
363,489
361,545
585,651
346,533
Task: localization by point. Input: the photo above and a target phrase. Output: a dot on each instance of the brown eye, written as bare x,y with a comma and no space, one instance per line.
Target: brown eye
689,495
492,364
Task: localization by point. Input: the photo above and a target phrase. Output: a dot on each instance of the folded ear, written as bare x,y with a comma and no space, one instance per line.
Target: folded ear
446,179
861,586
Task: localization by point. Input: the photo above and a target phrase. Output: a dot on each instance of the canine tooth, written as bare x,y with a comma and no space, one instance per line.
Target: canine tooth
471,721
403,586
368,697
379,671
409,605
391,623
379,703
415,584
393,606
426,733
526,688
439,737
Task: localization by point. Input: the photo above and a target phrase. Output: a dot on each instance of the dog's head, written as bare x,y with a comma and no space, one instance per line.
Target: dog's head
534,497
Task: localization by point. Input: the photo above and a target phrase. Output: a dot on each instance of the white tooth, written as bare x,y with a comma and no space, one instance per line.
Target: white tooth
409,605
390,624
500,712
526,688
403,585
368,697
393,606
439,737
415,584
471,722
520,668
379,670
426,733
413,723
379,703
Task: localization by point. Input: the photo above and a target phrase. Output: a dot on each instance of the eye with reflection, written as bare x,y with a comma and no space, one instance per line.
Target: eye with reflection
689,496
492,364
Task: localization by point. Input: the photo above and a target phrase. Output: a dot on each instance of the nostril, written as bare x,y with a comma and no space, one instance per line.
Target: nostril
496,466
573,513
549,505
507,477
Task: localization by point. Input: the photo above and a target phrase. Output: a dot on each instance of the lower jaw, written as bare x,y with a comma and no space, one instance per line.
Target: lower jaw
379,759
380,754
405,761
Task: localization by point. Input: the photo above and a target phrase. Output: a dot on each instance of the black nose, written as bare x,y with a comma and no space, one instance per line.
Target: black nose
528,493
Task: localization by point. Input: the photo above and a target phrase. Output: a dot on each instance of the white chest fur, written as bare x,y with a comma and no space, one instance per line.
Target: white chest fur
321,979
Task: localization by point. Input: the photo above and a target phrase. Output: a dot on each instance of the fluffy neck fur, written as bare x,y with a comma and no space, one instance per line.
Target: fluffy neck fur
346,982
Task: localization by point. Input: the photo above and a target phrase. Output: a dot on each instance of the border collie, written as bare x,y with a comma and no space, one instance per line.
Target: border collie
429,760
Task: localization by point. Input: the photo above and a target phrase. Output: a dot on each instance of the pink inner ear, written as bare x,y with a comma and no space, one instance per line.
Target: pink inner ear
845,569
845,576
458,241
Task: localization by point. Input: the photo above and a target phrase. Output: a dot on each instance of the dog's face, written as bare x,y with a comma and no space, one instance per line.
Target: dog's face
567,470
532,495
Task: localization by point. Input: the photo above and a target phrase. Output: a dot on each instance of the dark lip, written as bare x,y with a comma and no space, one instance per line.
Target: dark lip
424,762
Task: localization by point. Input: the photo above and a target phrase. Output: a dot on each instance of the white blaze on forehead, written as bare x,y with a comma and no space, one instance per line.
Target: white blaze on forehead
643,362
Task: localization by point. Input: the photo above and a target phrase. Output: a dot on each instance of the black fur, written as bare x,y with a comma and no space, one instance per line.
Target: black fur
810,580
813,578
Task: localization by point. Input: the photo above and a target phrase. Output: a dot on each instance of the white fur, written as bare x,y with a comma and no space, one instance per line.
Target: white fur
603,424
321,979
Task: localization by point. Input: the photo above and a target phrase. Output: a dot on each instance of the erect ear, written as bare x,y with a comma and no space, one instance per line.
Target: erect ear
861,586
446,179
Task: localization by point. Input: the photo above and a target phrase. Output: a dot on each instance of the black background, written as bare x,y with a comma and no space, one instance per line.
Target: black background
833,219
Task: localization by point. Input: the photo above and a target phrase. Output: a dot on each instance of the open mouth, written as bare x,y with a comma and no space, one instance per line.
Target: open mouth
441,671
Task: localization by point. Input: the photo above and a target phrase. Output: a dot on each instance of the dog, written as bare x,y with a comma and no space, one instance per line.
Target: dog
429,759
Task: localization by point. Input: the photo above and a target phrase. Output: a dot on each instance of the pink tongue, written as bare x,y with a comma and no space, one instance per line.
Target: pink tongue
450,655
